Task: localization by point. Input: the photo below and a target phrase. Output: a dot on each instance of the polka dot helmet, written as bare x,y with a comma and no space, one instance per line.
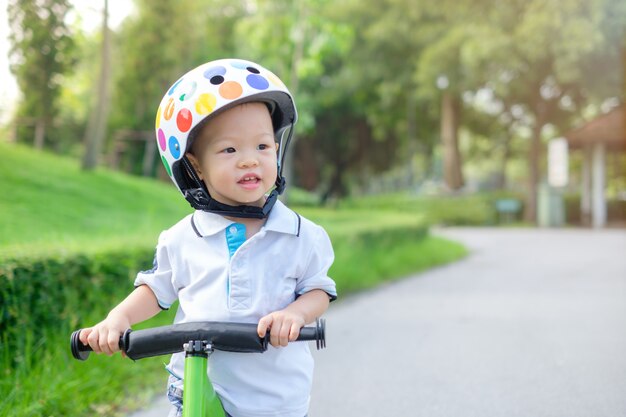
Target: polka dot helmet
201,94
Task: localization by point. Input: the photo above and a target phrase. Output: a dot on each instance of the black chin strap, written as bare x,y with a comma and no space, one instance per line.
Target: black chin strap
200,200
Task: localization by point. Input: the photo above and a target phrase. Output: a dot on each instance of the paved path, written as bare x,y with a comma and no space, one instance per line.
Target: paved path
532,323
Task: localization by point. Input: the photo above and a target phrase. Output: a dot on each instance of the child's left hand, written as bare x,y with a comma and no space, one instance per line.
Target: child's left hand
284,327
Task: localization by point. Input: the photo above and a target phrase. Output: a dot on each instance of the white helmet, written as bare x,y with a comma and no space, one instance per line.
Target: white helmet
203,93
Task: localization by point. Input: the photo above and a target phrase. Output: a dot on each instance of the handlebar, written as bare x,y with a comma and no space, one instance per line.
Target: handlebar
225,336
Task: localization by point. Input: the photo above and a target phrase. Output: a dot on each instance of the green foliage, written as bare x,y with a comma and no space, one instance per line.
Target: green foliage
159,44
364,74
41,303
42,53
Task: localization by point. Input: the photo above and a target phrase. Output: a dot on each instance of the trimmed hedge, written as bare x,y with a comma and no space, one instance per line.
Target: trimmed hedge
40,297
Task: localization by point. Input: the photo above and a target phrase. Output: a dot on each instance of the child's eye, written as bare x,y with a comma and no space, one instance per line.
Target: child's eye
229,150
262,147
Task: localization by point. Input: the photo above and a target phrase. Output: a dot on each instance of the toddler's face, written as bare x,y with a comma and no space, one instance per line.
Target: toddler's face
235,155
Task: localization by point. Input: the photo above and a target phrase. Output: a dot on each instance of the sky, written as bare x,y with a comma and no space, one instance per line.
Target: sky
90,15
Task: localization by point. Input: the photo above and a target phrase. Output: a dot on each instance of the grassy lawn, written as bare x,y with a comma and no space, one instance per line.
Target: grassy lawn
50,206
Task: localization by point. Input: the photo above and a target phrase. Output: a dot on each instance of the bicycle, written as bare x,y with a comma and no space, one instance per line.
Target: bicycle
198,340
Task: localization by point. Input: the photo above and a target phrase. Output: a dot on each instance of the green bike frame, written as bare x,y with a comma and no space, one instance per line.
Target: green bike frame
199,397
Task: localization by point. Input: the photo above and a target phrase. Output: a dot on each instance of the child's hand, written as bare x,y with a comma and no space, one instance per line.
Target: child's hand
104,337
284,326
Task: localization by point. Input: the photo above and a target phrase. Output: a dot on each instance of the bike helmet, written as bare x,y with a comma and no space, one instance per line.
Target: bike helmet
197,97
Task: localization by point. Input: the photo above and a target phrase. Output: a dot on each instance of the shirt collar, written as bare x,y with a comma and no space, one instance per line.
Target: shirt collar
281,219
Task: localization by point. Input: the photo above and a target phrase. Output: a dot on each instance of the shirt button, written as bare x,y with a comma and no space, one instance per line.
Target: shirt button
233,230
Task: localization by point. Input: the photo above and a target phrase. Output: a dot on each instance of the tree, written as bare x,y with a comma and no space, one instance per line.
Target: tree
543,57
41,52
96,127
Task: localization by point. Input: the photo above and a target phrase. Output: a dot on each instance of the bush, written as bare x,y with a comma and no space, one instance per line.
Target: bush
46,296
446,210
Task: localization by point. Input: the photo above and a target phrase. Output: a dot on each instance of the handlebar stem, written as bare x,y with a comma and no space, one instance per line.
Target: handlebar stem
198,348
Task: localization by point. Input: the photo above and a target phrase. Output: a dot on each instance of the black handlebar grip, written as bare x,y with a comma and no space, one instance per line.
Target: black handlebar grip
81,352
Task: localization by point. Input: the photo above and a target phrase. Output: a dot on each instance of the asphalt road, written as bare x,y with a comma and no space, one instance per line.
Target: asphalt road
532,323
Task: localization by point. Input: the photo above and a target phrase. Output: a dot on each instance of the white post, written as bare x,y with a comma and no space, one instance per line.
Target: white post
598,203
585,192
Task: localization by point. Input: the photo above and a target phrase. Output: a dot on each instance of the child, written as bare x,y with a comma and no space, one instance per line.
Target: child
242,256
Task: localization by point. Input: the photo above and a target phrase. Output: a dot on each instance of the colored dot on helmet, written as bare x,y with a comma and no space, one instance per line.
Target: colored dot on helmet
257,81
157,121
213,71
174,147
161,138
169,109
217,80
230,90
191,89
240,64
171,91
275,80
205,103
253,70
166,165
184,120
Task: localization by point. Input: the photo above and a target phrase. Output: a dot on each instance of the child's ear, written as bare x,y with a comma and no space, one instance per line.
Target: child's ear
195,164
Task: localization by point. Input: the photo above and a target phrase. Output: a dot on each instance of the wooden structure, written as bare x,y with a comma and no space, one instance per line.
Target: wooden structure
124,138
606,133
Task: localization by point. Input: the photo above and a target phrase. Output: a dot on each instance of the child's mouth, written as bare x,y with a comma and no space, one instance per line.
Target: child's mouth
249,181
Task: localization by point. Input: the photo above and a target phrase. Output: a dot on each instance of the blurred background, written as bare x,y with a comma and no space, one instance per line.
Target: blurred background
412,114
394,96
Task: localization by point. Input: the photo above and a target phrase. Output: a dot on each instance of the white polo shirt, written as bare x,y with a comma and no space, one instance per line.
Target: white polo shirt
289,256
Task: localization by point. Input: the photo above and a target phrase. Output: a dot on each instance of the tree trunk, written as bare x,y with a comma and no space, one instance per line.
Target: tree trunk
40,133
506,154
534,160
452,169
96,127
336,186
411,133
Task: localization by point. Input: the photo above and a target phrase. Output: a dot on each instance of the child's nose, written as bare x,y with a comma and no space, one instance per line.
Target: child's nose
248,162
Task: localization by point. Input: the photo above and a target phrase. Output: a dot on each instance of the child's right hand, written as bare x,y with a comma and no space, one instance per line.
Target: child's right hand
104,337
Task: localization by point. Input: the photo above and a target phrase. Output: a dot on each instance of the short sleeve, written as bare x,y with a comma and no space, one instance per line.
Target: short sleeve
319,261
159,278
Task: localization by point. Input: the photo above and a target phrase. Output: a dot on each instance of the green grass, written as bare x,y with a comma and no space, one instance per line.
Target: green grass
49,206
51,209
51,383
